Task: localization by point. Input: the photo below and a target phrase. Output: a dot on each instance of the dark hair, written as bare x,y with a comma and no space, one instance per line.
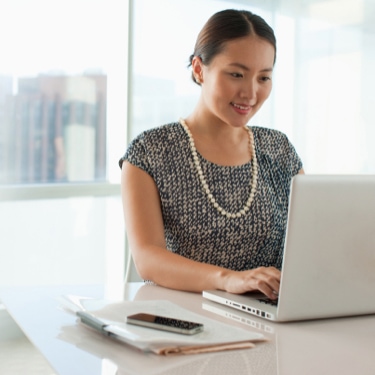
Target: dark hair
227,25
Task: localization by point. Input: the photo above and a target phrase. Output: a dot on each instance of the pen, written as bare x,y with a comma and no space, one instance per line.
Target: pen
93,322
111,330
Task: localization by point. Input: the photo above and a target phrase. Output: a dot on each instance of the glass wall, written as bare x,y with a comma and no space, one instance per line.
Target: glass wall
62,241
63,89
323,80
63,108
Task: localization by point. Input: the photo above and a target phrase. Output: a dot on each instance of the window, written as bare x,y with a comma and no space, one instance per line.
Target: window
62,90
63,108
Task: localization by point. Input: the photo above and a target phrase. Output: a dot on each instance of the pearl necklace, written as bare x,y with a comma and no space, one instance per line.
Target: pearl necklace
202,178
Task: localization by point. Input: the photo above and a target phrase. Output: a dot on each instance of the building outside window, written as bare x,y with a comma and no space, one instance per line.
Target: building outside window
63,87
54,129
63,111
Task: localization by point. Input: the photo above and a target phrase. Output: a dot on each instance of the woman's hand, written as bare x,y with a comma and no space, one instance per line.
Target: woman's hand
263,279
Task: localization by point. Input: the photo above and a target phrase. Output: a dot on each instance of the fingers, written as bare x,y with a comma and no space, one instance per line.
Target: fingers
267,281
263,279
267,286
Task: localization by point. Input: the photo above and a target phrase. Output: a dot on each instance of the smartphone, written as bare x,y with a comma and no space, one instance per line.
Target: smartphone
166,324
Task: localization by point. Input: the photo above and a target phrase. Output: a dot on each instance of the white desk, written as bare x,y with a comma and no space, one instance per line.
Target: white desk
334,346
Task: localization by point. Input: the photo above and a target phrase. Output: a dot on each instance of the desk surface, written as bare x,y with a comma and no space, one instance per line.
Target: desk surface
331,346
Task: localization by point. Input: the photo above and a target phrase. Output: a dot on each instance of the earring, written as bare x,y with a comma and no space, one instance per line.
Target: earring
197,79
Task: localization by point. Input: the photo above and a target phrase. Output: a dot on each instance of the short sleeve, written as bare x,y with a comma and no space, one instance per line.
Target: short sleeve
277,153
295,161
136,155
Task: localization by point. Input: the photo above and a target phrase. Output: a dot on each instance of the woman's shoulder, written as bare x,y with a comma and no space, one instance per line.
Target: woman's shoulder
159,133
154,142
269,137
150,145
262,132
272,142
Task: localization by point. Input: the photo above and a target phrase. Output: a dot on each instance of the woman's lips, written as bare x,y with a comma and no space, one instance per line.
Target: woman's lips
241,108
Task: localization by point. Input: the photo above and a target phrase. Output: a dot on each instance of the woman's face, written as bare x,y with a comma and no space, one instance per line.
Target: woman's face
237,81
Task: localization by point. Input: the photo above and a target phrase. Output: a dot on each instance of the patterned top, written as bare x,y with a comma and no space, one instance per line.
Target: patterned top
193,227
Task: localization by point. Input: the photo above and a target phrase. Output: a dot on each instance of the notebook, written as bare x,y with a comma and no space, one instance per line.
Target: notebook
328,265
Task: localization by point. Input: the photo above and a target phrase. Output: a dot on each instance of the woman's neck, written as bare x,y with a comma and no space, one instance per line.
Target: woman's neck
218,142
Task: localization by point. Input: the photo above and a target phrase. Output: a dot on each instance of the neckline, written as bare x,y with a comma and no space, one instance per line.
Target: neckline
216,165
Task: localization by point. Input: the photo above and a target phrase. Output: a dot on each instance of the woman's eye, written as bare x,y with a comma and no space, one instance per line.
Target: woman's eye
237,75
265,78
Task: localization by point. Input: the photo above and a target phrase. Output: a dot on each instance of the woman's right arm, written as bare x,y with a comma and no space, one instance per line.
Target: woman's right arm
145,231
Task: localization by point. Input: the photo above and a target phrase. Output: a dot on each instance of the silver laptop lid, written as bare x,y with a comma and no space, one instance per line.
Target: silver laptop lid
329,259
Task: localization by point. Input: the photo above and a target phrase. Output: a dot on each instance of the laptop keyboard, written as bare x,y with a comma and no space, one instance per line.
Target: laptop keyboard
269,301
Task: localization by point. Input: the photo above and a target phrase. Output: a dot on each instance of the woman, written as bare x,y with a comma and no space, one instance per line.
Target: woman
205,199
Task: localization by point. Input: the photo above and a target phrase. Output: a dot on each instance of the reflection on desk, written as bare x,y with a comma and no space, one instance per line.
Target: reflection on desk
326,346
131,361
333,346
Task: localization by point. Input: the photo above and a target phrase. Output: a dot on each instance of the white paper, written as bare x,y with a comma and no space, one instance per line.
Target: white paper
115,314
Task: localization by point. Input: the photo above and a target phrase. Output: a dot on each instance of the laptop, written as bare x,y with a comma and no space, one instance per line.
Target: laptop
328,265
